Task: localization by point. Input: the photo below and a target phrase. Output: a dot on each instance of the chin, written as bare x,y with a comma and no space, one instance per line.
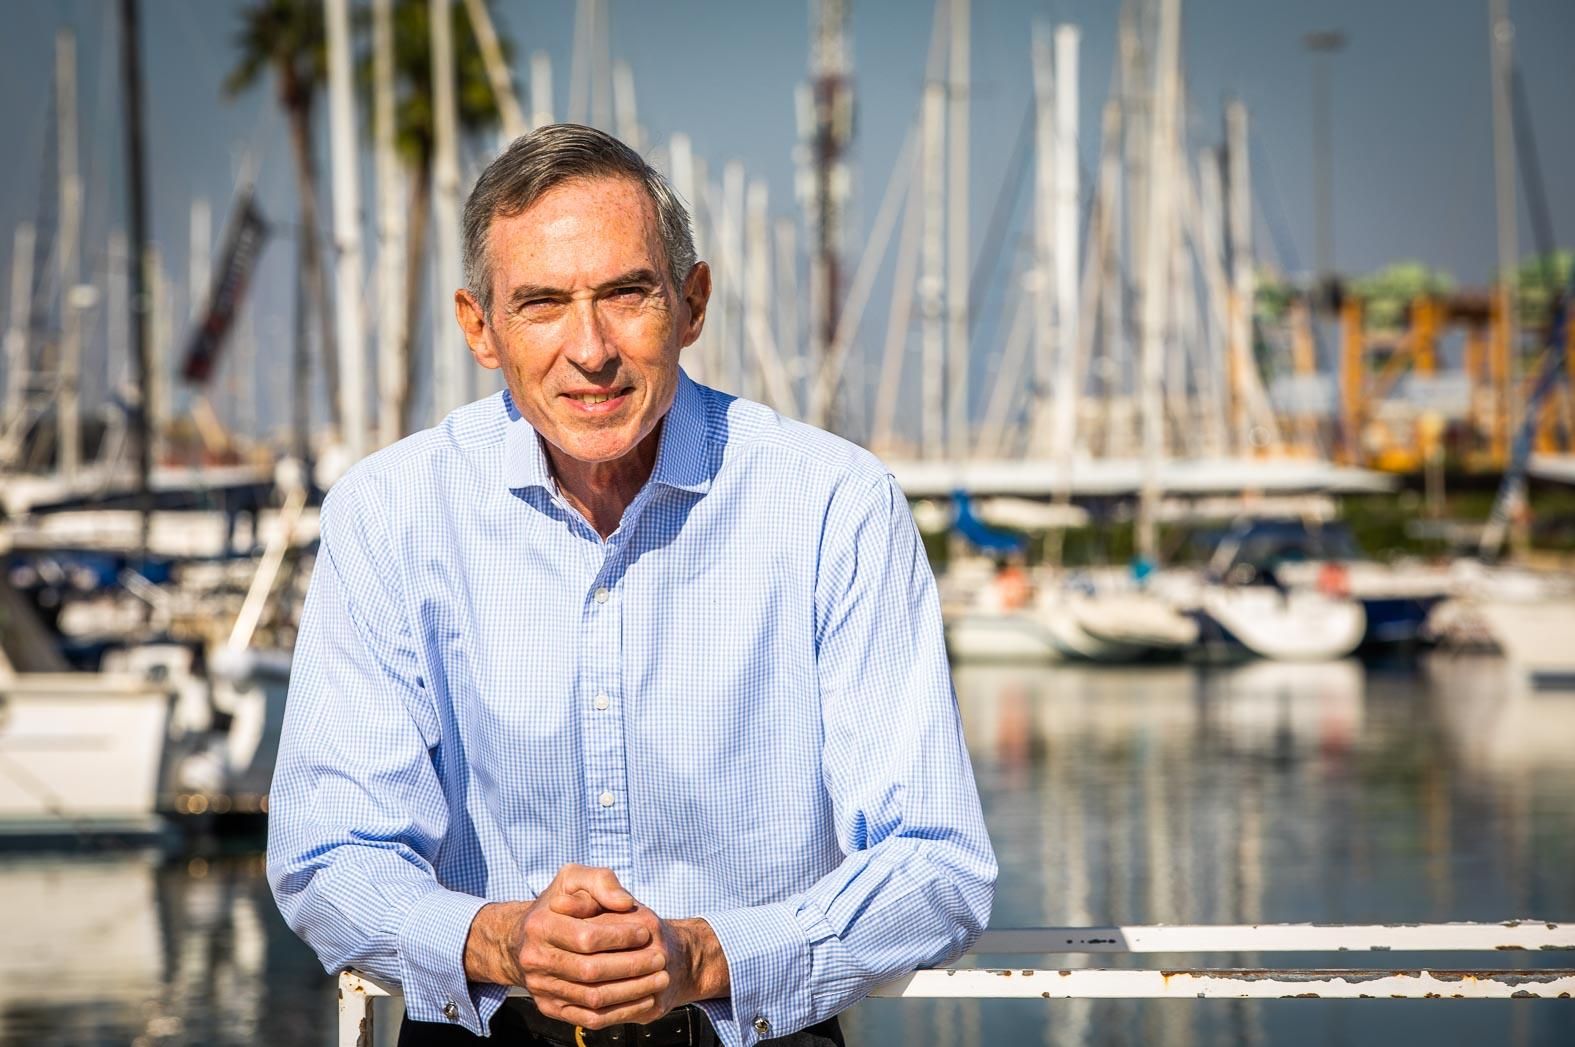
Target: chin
597,451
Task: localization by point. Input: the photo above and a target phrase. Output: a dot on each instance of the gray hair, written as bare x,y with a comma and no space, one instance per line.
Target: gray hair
545,159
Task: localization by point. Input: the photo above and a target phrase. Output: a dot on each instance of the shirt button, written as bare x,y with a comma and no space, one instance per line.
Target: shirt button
451,1011
601,595
606,799
762,1026
602,702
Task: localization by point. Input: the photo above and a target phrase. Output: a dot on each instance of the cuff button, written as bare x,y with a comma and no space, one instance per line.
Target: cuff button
762,1026
451,1011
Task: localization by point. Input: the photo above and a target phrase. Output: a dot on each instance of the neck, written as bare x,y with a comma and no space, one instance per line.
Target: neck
601,491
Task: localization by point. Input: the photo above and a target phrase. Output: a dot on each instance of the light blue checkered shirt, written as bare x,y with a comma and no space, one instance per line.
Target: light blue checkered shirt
739,702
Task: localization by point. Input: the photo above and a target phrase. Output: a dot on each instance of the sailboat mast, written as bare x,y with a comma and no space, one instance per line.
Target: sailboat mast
541,91
16,336
957,234
1156,266
1044,238
1067,194
391,369
199,267
448,364
828,129
932,137
69,413
1503,61
513,117
347,232
131,74
1243,275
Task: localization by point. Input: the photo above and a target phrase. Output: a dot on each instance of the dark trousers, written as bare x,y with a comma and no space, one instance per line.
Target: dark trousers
510,1029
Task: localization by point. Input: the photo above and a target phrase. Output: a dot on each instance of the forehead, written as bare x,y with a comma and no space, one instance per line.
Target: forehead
575,233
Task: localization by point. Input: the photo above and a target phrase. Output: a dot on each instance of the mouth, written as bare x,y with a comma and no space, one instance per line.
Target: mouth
597,401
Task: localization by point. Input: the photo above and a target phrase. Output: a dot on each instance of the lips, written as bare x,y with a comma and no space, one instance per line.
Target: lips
596,401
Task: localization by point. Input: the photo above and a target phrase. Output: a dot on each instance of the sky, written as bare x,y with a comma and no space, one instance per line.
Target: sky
1411,108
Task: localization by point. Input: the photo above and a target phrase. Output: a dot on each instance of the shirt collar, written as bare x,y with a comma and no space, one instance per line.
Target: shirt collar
683,458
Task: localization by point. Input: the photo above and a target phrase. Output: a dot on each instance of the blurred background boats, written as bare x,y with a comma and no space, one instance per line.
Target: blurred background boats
1171,455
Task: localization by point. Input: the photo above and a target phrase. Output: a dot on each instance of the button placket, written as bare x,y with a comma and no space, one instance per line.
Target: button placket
602,727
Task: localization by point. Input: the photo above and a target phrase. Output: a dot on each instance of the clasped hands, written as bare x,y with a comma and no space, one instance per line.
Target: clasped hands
590,954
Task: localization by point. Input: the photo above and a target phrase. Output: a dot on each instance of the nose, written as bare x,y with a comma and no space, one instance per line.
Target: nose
589,348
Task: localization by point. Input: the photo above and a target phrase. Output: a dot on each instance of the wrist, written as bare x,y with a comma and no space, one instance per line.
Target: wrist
706,963
490,949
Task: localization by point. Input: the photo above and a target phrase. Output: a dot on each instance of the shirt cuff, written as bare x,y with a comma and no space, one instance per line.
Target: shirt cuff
432,964
768,966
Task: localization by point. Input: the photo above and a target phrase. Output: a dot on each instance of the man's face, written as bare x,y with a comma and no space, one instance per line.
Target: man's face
586,324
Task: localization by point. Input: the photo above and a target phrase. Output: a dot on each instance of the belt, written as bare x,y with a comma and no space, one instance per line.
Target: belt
685,1026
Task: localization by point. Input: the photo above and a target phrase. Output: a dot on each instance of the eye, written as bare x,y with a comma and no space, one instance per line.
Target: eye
538,307
631,293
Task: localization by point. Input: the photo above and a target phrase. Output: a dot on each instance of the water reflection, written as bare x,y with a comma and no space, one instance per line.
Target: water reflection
1332,793
1270,792
142,949
1497,722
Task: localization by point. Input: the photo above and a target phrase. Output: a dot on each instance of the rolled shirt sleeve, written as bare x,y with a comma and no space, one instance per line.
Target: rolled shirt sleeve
357,811
916,886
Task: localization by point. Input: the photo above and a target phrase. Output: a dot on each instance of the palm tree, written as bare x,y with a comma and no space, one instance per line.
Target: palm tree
414,131
287,37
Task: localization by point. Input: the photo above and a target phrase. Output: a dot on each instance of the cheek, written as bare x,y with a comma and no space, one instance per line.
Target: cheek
528,358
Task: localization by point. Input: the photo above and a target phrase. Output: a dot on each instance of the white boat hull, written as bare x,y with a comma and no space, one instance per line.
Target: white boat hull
81,753
1074,641
1537,636
1295,626
1135,625
1003,637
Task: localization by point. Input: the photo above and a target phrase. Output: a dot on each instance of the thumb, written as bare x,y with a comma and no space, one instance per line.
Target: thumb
599,889
578,904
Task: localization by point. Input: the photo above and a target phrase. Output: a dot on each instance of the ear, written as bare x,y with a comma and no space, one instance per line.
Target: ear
473,322
697,292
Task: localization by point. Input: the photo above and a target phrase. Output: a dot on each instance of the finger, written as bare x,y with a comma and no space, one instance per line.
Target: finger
599,997
613,932
600,968
646,1010
601,884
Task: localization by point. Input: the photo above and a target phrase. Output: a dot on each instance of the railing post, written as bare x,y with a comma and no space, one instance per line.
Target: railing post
355,1012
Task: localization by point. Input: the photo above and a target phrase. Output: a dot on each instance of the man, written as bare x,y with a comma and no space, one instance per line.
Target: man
615,687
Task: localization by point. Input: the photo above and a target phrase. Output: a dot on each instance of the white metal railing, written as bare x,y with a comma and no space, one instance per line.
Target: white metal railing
358,991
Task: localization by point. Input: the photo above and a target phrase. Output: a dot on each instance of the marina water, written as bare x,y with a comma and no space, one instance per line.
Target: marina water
1341,792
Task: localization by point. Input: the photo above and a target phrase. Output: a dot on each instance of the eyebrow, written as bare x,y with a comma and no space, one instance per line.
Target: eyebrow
524,293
